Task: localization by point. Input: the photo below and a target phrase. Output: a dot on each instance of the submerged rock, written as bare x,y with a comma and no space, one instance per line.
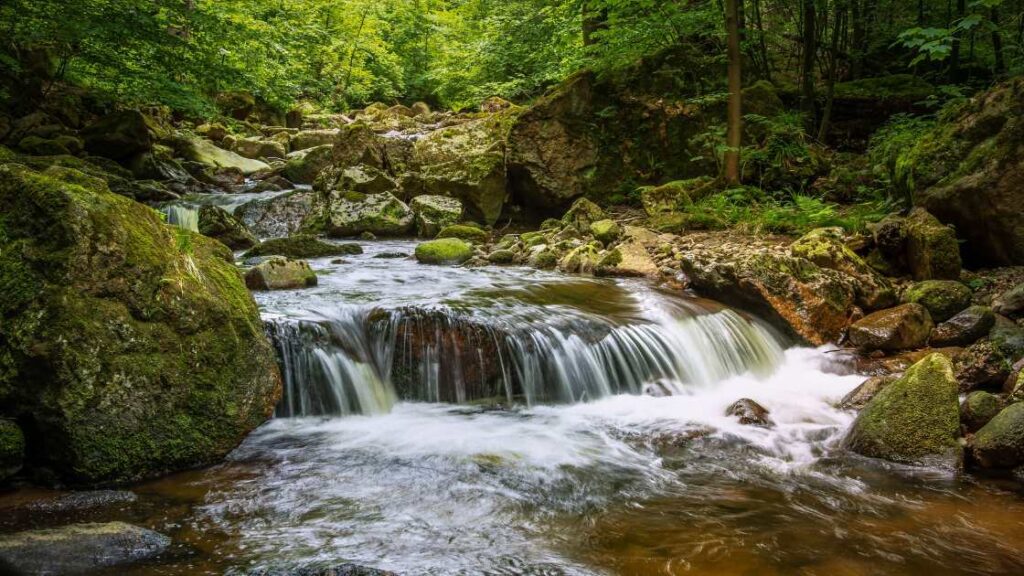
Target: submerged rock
216,223
133,345
904,327
1000,443
279,273
302,246
915,420
444,251
85,500
750,413
79,548
943,298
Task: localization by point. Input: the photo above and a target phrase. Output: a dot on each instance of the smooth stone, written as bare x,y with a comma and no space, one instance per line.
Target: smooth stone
79,548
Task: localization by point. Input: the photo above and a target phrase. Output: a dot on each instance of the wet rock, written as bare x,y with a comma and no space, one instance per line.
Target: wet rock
463,232
933,252
904,327
501,256
544,259
964,328
980,365
606,231
302,246
256,148
1011,302
208,154
890,240
159,165
444,251
583,259
943,298
966,171
275,217
306,139
1000,443
342,570
100,282
121,135
1008,337
390,255
915,420
352,213
1014,385
750,413
434,213
861,395
12,449
215,222
304,166
978,409
826,248
279,273
79,548
85,500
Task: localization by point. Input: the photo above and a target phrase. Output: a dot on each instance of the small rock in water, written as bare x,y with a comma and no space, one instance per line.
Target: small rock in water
750,413
342,570
78,548
367,236
339,261
390,255
84,501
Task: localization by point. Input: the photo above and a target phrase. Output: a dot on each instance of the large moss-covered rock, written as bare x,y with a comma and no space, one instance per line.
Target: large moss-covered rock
827,248
215,222
1000,443
434,213
78,548
351,213
302,246
208,154
933,252
904,327
943,298
276,217
444,251
361,178
357,143
468,233
582,214
132,347
12,449
280,273
606,231
967,171
256,148
303,167
305,139
915,420
466,161
121,135
1011,302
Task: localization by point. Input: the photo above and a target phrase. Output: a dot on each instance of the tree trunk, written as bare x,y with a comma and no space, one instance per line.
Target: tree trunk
762,44
838,25
954,56
734,131
352,54
594,20
810,44
997,45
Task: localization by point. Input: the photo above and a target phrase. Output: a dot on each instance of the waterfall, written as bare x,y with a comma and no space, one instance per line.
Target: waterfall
183,216
361,361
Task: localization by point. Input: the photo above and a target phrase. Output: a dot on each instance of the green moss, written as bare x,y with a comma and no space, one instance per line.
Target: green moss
914,420
12,448
444,251
610,260
501,256
943,298
302,246
903,87
463,232
545,260
978,409
1000,443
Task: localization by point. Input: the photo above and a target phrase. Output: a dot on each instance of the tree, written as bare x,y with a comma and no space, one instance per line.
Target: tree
734,130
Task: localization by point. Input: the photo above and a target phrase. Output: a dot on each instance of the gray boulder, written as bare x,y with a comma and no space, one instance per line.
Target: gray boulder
79,548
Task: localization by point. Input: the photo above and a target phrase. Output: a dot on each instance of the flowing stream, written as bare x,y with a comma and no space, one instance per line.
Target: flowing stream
441,420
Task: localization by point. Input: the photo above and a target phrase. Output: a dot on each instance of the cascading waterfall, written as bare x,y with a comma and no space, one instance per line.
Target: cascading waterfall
183,216
360,361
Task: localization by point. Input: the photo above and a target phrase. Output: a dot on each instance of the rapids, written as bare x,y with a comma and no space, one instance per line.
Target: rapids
442,420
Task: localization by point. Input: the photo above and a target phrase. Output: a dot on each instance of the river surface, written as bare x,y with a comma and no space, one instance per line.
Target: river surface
443,420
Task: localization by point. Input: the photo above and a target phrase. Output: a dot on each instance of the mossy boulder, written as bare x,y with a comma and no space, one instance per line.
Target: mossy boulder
466,161
933,252
208,154
468,233
583,259
827,248
279,216
501,256
978,409
915,420
964,328
582,214
37,146
967,172
859,397
280,273
122,135
79,548
981,364
360,178
347,213
606,231
12,449
1000,443
943,298
129,348
304,166
217,223
444,251
434,213
904,327
256,148
306,139
357,143
1010,302
302,246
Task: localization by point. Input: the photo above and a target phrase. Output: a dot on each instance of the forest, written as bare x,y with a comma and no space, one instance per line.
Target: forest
566,287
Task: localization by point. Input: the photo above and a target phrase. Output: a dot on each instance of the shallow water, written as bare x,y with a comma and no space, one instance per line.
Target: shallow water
630,484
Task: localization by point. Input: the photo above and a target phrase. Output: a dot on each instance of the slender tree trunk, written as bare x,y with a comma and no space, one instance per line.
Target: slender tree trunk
954,56
810,43
762,43
859,33
352,54
734,131
997,45
838,24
